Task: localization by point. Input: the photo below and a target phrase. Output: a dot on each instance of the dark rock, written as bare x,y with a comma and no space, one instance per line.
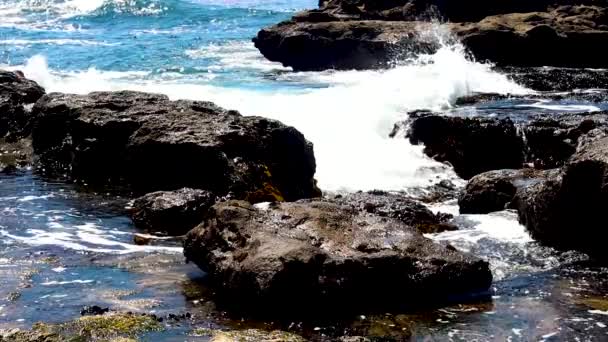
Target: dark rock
141,240
495,190
558,79
361,34
172,212
552,139
93,311
303,256
15,92
397,206
151,143
15,156
19,88
566,211
470,145
341,44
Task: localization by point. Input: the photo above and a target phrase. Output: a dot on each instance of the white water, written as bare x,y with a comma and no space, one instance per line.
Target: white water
348,122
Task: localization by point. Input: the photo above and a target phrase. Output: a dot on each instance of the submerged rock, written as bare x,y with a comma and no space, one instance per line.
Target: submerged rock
171,212
310,255
566,211
15,92
397,206
470,145
360,34
152,143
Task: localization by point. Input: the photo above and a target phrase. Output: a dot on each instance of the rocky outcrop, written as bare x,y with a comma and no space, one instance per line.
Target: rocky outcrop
397,206
171,212
15,93
470,145
566,211
360,34
495,190
151,143
303,256
557,79
473,145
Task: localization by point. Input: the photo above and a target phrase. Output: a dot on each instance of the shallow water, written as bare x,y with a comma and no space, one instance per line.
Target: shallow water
63,246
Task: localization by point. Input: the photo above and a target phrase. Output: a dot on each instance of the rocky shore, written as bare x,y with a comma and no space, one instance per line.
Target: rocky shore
363,34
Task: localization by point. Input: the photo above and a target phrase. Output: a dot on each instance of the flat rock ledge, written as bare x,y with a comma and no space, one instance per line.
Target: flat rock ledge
363,34
311,254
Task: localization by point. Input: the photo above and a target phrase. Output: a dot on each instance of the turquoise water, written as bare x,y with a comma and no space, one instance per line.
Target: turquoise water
203,40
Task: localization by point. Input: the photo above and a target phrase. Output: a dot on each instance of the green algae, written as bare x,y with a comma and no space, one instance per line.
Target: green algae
248,335
115,327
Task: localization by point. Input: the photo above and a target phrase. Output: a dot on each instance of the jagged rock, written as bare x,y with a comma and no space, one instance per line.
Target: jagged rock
15,92
150,143
474,145
470,145
303,256
171,212
399,207
566,210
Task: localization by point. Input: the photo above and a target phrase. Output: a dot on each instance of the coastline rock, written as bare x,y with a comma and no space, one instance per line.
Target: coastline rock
151,143
301,256
473,145
247,335
396,206
470,145
557,79
495,190
362,34
15,156
566,211
15,92
171,212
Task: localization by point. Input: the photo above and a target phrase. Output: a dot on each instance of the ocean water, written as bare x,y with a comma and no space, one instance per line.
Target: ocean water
63,247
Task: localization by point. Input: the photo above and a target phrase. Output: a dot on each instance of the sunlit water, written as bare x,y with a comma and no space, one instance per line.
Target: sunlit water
63,247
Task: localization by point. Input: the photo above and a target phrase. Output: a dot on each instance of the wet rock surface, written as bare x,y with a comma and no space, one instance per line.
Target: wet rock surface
303,255
566,211
476,144
151,143
16,91
397,206
470,145
346,34
171,212
495,190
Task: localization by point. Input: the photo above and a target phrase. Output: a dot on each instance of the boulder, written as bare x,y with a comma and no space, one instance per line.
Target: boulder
151,143
470,145
171,212
495,190
566,211
15,93
362,34
312,255
397,206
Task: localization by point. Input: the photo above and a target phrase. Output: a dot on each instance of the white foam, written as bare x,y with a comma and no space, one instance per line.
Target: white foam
501,226
77,281
29,42
348,122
